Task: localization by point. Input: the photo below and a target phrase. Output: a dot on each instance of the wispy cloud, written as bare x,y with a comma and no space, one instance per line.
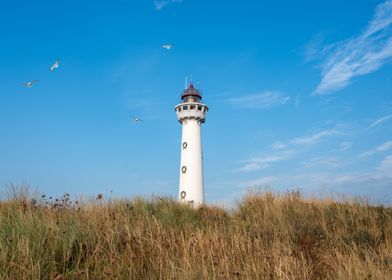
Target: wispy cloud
345,146
385,166
258,163
381,120
359,55
379,149
314,138
331,162
327,178
279,145
262,100
284,151
159,5
311,50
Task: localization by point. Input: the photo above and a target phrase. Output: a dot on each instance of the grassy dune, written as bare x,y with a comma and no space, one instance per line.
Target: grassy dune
266,236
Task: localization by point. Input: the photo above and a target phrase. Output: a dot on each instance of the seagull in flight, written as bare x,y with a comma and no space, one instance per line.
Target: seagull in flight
136,120
168,46
30,83
55,65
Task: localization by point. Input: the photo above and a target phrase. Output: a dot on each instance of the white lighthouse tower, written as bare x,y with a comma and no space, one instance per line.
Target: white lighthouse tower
191,114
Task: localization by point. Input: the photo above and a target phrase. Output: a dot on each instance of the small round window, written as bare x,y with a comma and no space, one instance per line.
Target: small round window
183,194
184,145
183,169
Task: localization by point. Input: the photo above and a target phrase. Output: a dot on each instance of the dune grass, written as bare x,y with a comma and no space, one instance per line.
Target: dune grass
265,236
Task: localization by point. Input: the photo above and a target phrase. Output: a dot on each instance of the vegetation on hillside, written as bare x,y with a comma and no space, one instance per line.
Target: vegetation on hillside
265,236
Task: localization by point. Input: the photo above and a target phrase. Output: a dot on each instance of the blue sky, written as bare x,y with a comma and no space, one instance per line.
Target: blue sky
299,95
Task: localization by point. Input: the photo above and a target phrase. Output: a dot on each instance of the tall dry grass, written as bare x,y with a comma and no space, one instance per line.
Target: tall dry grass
266,236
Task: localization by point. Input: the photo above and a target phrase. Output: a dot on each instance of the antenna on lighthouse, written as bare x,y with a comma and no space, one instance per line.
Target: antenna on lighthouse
186,82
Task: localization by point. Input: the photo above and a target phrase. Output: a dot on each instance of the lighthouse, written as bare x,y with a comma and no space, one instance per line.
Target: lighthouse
191,113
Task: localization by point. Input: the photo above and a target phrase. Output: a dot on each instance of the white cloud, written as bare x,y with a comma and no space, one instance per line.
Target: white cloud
283,151
385,166
263,162
311,50
262,100
381,120
359,55
279,146
381,148
373,182
331,162
311,139
159,5
382,18
345,146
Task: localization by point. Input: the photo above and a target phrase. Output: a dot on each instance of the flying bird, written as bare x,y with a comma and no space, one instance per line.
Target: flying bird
136,120
168,46
55,65
30,83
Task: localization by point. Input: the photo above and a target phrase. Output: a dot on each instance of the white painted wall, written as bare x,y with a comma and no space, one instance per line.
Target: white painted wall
191,157
191,181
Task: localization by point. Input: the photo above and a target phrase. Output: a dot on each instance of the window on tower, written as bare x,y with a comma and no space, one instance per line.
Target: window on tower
199,108
185,107
183,169
184,145
192,107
